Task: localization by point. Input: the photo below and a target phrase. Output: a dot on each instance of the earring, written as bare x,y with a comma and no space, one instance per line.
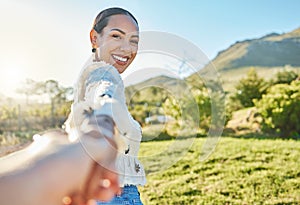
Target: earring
96,56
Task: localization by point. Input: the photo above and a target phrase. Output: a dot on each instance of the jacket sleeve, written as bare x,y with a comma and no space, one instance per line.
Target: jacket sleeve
104,94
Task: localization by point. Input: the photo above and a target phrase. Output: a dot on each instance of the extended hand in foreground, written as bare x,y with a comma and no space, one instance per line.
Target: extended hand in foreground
54,171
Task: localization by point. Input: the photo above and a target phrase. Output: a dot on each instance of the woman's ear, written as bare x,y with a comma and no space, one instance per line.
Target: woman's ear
93,38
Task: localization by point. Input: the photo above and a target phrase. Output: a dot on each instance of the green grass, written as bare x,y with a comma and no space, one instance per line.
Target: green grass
239,171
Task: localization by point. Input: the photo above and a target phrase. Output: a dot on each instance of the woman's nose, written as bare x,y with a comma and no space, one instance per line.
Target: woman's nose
125,46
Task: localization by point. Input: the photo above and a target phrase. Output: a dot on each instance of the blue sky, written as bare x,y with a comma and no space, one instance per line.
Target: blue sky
50,39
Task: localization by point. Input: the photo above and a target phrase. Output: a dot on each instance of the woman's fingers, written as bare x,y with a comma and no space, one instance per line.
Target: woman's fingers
103,183
98,141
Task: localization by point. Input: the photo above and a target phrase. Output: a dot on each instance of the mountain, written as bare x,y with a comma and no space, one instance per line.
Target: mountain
160,81
267,54
148,90
272,50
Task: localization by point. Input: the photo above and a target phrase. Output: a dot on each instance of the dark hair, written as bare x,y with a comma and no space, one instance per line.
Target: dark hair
102,18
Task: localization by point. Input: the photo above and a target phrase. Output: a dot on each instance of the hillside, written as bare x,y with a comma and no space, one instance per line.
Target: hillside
268,54
170,85
272,50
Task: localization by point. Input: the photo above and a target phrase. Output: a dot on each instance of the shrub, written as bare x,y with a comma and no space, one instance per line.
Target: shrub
280,109
285,77
249,88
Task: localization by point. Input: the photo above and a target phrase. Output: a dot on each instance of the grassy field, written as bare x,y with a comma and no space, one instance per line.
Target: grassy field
243,171
239,171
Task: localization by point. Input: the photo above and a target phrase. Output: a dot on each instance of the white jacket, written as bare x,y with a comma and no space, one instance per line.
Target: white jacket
101,87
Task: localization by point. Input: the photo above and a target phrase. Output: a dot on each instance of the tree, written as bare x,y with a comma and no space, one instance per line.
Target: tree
285,77
172,107
280,109
8,115
53,105
29,88
249,88
57,95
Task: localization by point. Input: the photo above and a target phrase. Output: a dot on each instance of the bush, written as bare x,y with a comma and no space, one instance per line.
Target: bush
280,109
285,77
249,88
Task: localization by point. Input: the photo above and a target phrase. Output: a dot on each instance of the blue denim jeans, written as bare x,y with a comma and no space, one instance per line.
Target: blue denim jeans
129,196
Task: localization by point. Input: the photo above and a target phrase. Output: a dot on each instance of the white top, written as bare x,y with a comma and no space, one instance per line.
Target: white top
101,87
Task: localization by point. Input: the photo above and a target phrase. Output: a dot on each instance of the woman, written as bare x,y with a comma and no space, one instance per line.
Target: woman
114,38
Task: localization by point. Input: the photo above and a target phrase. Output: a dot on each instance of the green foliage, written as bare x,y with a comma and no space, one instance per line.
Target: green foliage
285,77
239,171
139,112
32,115
280,109
173,108
8,112
188,102
204,108
249,88
8,116
145,102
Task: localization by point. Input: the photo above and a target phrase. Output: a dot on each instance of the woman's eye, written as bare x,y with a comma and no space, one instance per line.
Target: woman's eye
116,36
134,42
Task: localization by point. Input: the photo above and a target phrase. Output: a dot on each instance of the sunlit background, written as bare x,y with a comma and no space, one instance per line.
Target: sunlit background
43,40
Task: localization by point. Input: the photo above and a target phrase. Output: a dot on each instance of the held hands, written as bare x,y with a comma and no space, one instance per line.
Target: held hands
54,171
102,180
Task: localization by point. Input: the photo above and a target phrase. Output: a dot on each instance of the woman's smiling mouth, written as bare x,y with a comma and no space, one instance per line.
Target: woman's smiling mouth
120,59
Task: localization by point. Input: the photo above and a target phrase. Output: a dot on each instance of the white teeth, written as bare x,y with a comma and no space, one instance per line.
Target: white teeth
120,58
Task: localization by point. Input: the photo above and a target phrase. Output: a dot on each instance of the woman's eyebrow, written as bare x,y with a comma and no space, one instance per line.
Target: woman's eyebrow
135,36
119,30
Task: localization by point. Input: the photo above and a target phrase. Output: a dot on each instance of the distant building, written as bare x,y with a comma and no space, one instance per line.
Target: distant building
156,119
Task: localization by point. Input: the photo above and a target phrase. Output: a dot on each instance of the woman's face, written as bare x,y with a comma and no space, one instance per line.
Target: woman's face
118,41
